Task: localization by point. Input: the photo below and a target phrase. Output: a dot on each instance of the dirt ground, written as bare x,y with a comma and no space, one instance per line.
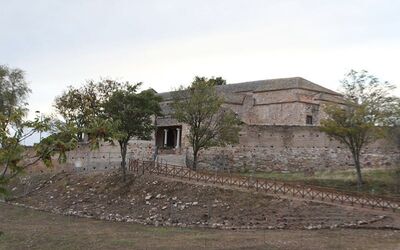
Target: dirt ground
30,229
155,201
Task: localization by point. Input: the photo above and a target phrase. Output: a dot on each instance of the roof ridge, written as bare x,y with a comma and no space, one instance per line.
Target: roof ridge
263,80
319,86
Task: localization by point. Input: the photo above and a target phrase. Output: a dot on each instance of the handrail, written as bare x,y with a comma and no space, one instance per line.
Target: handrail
262,184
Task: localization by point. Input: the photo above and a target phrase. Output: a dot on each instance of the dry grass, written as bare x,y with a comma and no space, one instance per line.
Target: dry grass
29,229
376,181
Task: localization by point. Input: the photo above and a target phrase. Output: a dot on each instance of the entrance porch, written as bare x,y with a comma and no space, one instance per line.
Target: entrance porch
168,139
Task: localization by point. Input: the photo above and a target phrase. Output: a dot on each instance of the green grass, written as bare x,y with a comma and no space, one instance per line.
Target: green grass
376,181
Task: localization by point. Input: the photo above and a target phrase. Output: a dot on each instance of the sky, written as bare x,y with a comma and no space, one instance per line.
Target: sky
165,44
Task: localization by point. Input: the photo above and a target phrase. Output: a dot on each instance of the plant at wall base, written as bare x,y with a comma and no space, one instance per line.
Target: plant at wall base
14,129
200,107
393,134
127,115
393,129
363,118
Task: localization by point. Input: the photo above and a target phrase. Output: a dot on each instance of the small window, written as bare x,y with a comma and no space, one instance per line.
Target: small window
309,120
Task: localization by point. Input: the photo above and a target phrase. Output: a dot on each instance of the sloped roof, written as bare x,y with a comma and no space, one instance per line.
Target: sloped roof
330,98
291,83
240,87
264,85
166,95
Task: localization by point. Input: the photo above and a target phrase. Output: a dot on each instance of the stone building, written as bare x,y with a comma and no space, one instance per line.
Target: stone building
280,102
280,131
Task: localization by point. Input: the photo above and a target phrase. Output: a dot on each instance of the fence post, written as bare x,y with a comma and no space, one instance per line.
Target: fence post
109,160
209,210
137,166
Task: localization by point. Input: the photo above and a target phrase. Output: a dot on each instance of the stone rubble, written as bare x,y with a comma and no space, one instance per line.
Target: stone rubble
160,206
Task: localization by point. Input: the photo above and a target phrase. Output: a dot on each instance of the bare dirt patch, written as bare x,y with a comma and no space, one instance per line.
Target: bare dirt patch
156,201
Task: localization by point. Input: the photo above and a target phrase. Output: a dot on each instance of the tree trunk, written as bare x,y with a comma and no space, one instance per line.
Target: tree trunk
356,158
80,136
123,147
195,152
4,171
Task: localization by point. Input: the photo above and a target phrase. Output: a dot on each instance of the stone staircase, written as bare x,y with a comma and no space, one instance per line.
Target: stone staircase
172,159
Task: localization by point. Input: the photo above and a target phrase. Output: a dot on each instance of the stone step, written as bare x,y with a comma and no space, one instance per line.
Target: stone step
172,159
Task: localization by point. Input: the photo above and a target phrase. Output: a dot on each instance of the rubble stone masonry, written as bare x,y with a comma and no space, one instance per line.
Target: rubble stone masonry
293,148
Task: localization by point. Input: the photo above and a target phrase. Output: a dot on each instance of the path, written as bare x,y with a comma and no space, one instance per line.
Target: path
280,188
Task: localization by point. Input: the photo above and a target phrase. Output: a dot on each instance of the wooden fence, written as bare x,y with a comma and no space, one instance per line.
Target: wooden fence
264,185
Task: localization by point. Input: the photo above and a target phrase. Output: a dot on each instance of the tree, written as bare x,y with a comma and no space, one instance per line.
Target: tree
81,106
214,81
128,115
200,107
393,124
394,135
71,106
361,120
14,128
13,90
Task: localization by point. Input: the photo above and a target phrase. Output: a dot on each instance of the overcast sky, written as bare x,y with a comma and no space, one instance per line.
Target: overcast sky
166,43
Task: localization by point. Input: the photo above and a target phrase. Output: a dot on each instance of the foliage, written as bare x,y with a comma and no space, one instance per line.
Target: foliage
62,139
213,81
128,115
200,107
360,121
393,128
13,90
81,106
14,129
373,95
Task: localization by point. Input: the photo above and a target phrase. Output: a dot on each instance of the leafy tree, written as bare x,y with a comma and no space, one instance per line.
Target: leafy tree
128,115
214,81
200,107
71,106
361,120
393,135
14,129
81,106
13,90
393,124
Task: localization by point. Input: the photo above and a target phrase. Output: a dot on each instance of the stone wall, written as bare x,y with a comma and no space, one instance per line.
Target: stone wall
107,156
293,148
261,148
288,107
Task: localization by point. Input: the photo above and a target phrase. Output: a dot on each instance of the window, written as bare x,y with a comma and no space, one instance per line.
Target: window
309,120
